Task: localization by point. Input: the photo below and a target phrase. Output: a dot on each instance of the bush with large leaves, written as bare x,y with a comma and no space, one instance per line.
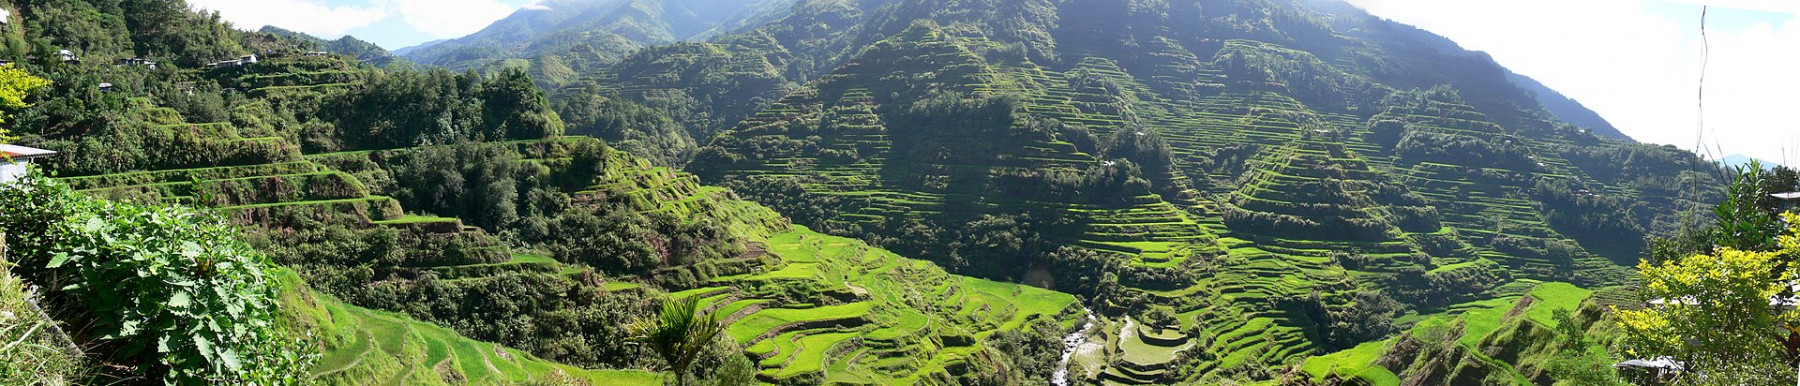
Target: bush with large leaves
167,290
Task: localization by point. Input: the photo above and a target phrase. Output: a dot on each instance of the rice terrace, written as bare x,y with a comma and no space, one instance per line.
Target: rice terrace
897,192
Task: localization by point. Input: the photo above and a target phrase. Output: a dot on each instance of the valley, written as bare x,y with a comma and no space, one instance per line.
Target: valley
852,192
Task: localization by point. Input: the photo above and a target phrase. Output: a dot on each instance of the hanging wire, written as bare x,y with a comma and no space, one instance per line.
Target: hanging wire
1700,116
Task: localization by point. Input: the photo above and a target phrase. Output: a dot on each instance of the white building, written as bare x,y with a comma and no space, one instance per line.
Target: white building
16,159
234,63
1790,201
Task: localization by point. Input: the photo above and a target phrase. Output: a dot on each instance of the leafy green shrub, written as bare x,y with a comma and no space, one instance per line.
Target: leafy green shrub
167,289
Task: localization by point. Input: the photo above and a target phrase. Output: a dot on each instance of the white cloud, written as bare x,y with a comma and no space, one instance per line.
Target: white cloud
1778,6
307,16
1639,70
448,18
536,7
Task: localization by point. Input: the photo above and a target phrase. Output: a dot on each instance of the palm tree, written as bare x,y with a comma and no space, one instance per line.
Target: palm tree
679,334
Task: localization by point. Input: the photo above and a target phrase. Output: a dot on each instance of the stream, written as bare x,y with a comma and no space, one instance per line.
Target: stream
1071,343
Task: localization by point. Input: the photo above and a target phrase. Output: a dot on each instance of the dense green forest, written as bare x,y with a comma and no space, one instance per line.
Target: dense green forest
978,192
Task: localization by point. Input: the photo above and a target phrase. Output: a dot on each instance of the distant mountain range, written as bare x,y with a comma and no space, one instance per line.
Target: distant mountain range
607,29
1740,160
1567,108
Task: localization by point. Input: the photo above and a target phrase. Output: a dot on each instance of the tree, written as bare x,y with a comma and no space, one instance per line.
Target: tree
679,335
1742,224
1161,318
1714,312
15,85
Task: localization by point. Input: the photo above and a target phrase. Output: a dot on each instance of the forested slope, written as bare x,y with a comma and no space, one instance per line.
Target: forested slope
1239,190
1300,170
430,212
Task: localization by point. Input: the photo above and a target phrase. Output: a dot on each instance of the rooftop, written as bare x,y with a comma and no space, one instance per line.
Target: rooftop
16,151
1787,196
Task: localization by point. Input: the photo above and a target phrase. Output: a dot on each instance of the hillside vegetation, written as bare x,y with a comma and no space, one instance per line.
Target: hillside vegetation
859,192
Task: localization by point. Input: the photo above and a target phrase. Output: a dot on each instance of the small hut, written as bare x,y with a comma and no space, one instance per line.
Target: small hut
1656,370
1790,201
16,161
137,62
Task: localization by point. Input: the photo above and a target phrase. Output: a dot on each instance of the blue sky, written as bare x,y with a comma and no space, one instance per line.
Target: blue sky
392,24
1636,62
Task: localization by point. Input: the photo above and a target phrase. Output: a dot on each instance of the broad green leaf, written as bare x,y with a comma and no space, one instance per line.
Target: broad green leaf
205,346
58,260
128,328
179,300
230,358
190,250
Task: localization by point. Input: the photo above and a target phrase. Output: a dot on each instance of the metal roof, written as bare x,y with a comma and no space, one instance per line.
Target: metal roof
16,151
1787,196
1653,363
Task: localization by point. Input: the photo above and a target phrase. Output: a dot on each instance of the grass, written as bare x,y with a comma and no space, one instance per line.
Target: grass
810,356
1357,362
1479,318
770,318
621,286
1140,352
345,357
386,346
415,219
1554,296
792,271
32,351
898,305
1029,300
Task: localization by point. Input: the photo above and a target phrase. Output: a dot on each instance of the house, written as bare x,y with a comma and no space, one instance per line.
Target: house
234,63
13,165
151,64
1659,370
1790,201
68,56
318,53
106,87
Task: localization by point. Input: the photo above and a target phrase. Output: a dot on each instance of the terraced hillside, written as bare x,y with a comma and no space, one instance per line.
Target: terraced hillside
1273,180
363,346
401,221
836,310
804,306
588,33
885,163
1223,191
1512,339
1448,152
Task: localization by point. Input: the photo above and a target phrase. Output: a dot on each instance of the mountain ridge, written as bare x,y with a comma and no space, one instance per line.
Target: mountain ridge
609,27
884,191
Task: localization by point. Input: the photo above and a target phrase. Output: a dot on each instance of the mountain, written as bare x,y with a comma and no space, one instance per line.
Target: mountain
416,47
1740,160
1568,109
347,45
393,225
601,29
859,191
1380,169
